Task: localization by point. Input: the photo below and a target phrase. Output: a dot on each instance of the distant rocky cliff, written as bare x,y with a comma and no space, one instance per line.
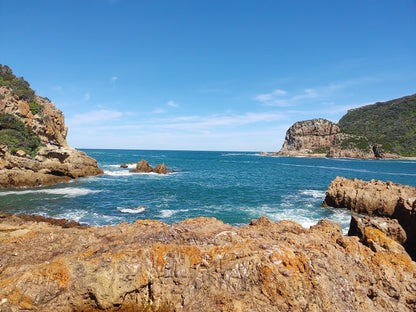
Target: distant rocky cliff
381,130
311,137
33,146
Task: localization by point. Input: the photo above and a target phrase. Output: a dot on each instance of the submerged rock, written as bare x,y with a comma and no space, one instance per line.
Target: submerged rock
199,264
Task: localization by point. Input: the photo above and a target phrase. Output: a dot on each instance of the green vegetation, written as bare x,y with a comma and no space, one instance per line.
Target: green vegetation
356,142
35,107
320,150
390,124
19,86
17,136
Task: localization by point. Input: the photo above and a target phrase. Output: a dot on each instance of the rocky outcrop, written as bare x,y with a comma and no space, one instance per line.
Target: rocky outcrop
143,166
377,131
314,136
378,198
51,165
48,125
390,227
54,162
199,265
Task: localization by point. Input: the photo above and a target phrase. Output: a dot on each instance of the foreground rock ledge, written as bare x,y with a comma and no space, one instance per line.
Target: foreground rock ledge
199,264
377,198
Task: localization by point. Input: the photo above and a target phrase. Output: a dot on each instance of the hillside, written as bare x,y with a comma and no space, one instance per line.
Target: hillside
391,124
380,130
33,147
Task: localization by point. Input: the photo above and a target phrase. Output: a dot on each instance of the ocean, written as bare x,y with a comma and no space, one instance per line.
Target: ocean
233,187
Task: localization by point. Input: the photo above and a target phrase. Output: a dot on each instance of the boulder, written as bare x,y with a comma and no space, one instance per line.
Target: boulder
378,198
389,227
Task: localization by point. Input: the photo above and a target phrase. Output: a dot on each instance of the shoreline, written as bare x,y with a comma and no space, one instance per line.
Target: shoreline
323,155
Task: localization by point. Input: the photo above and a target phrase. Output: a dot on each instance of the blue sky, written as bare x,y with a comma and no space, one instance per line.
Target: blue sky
207,75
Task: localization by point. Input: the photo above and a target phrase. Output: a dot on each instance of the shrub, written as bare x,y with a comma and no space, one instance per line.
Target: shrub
35,107
15,135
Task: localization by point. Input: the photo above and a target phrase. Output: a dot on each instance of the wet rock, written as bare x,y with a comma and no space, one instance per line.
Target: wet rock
142,166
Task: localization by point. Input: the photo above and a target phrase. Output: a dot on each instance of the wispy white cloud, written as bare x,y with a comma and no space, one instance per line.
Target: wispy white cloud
172,104
114,79
159,111
214,122
282,98
273,98
94,117
87,96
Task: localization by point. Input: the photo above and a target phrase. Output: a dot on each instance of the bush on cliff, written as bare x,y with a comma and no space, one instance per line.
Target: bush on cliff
16,136
19,86
391,124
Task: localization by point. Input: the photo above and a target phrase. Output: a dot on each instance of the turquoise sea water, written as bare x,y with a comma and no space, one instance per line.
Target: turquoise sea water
232,187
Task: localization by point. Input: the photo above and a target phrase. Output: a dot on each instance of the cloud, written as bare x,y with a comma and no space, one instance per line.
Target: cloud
114,79
159,111
272,98
94,117
87,96
213,122
281,98
172,104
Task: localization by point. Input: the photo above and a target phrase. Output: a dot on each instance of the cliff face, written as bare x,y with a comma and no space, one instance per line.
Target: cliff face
310,136
25,127
49,125
381,130
199,265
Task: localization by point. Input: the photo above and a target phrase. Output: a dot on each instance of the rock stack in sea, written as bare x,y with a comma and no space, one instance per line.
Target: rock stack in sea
143,166
377,199
33,146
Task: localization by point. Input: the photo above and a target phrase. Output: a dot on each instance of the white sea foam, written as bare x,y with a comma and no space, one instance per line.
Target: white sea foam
117,173
235,154
169,213
314,193
67,192
131,210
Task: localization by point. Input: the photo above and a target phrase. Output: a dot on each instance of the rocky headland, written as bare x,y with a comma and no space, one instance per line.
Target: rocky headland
377,131
199,264
378,199
33,146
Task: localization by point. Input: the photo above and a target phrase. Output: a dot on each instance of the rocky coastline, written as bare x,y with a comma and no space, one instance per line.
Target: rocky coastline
386,200
199,264
54,161
323,138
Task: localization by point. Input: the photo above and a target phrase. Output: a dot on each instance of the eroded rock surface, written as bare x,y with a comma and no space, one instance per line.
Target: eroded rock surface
310,136
378,198
198,265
